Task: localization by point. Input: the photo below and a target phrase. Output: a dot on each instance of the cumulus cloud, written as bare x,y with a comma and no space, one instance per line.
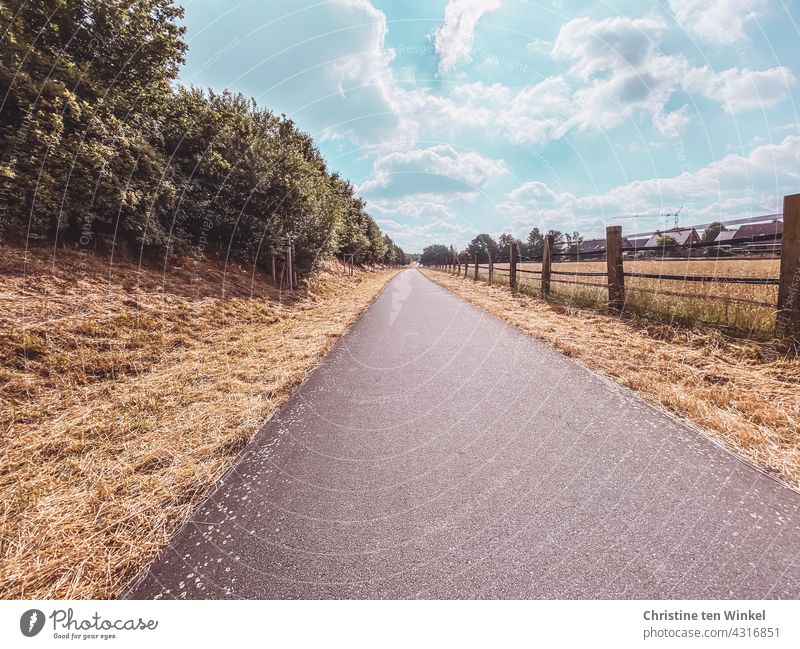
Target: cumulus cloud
435,207
717,21
611,44
417,236
740,90
437,169
454,38
625,71
539,46
716,190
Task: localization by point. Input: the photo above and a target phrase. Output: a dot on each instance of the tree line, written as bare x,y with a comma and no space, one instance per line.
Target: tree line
484,246
102,147
532,248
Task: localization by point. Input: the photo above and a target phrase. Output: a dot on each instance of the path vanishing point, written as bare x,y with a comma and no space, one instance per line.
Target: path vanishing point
437,452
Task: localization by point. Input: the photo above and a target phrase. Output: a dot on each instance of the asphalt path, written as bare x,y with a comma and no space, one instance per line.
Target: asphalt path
437,452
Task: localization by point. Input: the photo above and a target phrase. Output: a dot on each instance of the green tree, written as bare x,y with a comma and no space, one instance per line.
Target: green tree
535,243
573,241
559,240
483,245
435,254
666,241
99,148
503,244
712,231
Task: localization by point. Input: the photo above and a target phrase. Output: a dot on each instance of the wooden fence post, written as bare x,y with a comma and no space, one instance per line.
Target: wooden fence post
292,275
466,265
512,265
289,266
787,322
274,278
476,266
458,267
616,274
547,261
491,269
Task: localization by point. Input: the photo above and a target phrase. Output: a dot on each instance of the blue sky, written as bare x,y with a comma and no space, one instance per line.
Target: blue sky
456,117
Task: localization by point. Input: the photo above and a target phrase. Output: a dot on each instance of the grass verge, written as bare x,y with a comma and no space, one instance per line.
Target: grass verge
125,393
741,392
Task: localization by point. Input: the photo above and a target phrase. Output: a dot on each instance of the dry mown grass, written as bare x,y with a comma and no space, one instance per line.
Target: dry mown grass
708,303
125,392
742,392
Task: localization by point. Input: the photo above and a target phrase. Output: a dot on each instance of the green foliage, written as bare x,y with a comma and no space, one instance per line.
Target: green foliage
535,247
504,247
573,241
436,254
100,149
559,240
712,231
665,241
483,245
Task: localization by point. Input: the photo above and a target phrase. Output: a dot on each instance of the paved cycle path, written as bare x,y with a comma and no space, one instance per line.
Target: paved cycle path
438,453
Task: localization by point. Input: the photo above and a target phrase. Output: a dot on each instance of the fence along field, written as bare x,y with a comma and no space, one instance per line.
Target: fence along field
755,297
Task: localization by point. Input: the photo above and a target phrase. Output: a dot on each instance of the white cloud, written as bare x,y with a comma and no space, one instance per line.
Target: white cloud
626,72
539,113
617,73
439,168
539,46
736,185
717,21
744,89
426,207
332,74
612,44
453,39
416,237
532,191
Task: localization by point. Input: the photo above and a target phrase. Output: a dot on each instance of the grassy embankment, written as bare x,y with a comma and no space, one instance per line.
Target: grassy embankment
744,393
125,393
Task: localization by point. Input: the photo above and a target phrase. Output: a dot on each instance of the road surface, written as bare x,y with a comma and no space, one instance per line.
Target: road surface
439,453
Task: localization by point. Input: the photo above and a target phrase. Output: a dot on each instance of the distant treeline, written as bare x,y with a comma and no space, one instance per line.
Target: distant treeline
100,146
485,246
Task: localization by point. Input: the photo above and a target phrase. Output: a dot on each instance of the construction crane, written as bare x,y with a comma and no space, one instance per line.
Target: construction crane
674,215
637,216
664,215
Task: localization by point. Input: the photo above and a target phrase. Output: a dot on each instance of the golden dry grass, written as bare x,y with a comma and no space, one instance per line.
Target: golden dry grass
741,392
126,392
708,303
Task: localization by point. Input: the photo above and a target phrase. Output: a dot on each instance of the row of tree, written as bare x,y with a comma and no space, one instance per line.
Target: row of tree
100,147
484,246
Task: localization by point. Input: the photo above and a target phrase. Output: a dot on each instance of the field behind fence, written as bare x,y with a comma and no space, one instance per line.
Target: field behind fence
753,297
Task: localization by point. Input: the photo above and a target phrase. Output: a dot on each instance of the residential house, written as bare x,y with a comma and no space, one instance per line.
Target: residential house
752,232
684,236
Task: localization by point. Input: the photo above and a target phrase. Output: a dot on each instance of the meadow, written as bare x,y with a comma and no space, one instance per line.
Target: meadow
742,309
